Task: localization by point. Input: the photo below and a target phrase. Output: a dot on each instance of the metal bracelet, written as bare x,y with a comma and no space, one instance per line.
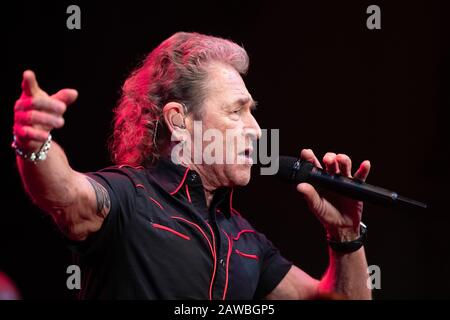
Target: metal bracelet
34,157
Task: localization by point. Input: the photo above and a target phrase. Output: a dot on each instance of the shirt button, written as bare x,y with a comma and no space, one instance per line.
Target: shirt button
193,176
222,262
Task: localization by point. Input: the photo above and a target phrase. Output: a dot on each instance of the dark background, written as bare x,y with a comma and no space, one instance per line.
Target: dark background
320,76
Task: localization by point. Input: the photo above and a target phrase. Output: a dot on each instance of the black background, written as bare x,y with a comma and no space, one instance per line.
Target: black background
319,75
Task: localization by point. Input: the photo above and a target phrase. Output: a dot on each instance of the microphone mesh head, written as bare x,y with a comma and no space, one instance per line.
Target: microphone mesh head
286,168
292,169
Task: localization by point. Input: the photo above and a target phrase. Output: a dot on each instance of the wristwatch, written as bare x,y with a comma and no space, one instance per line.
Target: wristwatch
350,246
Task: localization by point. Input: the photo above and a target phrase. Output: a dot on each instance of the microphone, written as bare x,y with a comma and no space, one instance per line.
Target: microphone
296,171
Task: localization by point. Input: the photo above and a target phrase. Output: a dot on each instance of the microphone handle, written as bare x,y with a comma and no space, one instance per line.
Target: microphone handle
358,190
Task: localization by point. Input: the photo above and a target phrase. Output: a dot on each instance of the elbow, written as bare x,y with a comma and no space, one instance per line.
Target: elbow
72,225
71,230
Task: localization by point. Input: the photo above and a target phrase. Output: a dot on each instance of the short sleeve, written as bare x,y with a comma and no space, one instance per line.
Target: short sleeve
122,195
274,268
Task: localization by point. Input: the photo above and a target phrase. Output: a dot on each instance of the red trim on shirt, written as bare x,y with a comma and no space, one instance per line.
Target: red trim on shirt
199,228
159,226
215,262
213,249
231,200
251,256
235,212
159,204
230,245
181,183
243,231
126,165
188,195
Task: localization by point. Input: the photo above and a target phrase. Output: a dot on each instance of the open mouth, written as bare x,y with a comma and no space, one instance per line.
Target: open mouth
247,152
247,155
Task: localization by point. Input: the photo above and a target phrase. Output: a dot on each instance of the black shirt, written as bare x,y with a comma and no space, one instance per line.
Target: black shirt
161,241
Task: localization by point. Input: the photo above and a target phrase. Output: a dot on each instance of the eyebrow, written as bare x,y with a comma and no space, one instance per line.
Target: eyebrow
245,101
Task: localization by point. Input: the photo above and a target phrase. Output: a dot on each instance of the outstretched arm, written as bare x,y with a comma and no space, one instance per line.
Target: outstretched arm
77,203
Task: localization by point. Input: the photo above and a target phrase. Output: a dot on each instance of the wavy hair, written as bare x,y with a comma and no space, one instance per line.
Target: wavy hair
173,72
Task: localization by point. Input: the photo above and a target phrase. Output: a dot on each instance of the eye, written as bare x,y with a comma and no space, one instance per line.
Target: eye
236,111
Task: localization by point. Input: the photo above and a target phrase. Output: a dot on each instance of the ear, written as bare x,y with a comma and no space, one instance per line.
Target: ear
174,116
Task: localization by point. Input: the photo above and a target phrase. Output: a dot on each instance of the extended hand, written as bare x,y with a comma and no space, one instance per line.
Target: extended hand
339,215
36,113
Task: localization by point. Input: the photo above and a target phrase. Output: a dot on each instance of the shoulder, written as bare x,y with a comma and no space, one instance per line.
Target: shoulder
116,176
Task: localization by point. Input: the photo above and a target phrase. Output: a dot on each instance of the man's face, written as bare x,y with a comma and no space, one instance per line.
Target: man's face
227,109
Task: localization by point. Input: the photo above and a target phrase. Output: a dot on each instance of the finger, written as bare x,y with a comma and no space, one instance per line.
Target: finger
363,171
331,165
30,85
24,103
67,96
345,165
41,103
34,117
308,155
27,133
311,196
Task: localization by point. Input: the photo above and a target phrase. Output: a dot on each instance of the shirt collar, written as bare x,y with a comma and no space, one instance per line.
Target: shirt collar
172,178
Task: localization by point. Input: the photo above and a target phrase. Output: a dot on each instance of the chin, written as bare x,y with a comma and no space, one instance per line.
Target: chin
242,178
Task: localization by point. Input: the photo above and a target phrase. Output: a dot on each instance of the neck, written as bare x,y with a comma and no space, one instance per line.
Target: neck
209,194
209,186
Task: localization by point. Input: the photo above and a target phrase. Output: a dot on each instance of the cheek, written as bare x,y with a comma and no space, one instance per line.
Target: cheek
235,141
230,148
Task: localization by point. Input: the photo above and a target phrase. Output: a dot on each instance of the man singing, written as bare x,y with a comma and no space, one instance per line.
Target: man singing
154,228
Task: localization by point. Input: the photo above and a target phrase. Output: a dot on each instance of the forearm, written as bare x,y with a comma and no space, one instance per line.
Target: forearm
347,275
77,203
50,183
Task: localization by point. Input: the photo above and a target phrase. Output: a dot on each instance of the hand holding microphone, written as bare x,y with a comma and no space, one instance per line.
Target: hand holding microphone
340,211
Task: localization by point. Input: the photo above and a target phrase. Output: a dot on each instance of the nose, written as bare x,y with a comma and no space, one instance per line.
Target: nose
252,128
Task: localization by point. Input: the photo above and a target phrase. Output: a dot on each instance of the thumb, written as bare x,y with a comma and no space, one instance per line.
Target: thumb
67,96
312,198
30,85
